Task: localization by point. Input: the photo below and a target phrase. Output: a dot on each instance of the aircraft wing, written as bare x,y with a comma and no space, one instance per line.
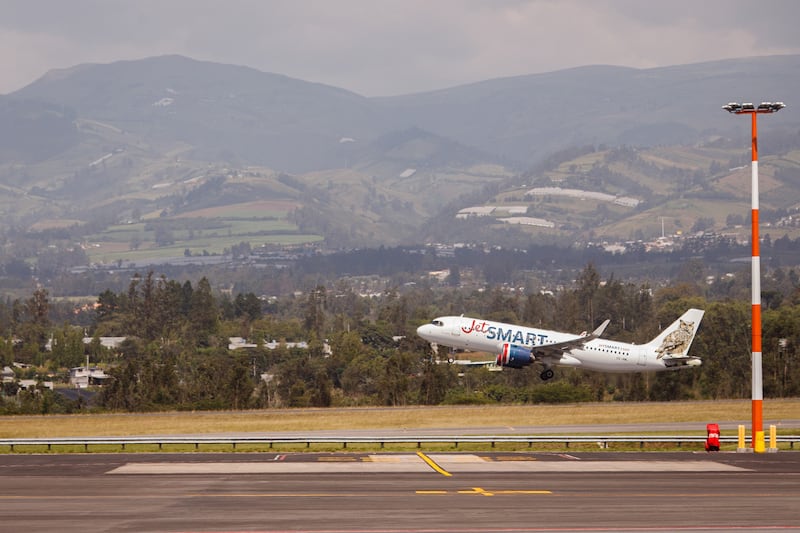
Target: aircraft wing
558,348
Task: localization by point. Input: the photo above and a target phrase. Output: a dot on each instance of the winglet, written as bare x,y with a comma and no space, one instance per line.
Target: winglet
596,333
599,331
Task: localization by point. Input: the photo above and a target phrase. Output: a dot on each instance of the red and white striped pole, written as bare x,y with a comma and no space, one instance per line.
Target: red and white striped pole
757,442
755,293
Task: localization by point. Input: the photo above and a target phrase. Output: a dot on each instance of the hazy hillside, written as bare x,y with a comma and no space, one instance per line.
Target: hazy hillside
32,131
621,194
524,118
225,112
94,146
248,116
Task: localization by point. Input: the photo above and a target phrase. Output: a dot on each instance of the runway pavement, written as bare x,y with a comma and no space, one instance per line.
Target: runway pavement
437,493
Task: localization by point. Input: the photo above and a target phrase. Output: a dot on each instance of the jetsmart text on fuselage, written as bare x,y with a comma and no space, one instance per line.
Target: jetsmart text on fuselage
510,335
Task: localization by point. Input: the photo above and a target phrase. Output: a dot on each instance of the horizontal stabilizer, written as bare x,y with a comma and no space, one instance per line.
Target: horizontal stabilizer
678,361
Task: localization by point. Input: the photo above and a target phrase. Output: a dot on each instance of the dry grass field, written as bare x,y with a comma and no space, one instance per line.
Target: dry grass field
785,413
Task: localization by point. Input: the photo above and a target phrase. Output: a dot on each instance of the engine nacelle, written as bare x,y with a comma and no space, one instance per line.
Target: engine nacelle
514,356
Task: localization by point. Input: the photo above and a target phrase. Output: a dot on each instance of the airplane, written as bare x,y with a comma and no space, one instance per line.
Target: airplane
519,346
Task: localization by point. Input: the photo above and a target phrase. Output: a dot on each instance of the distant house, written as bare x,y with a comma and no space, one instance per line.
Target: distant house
106,342
236,343
30,384
528,221
81,377
8,375
476,211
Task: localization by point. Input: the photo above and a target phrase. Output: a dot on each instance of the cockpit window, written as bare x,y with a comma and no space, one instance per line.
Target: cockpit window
438,323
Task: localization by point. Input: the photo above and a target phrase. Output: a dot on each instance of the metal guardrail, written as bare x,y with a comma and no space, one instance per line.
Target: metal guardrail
601,440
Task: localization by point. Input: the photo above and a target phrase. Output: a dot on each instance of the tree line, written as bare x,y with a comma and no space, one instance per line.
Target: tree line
176,354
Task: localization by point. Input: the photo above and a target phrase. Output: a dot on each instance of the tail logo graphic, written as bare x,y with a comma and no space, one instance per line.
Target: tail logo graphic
678,341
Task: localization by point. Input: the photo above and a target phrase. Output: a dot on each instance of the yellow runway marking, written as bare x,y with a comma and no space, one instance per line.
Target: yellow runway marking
476,490
480,491
433,465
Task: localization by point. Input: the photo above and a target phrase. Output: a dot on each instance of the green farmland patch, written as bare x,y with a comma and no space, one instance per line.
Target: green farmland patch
208,231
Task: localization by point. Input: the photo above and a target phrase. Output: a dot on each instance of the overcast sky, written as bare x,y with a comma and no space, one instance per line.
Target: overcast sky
388,47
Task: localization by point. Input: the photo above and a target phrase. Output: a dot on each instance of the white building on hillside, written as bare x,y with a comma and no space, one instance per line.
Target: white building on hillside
82,377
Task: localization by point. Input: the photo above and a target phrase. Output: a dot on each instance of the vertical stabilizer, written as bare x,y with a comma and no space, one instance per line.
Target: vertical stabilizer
677,338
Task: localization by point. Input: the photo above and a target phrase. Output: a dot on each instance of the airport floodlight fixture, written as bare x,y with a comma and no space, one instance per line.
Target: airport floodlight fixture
757,377
764,107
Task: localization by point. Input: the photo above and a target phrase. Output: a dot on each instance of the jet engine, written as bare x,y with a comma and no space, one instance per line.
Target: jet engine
514,356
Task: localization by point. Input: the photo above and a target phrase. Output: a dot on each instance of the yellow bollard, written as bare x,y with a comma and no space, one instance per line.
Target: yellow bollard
741,447
773,438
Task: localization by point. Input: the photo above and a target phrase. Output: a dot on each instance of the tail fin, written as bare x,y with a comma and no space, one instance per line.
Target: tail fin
677,338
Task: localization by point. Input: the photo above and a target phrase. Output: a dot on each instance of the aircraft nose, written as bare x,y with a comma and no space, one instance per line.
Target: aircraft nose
424,330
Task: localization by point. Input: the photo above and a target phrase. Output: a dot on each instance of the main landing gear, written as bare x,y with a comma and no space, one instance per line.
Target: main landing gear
546,374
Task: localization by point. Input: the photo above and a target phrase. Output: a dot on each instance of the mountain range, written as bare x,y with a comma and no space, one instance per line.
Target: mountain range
137,137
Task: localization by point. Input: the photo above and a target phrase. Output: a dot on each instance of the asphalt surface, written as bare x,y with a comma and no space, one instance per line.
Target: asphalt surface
407,492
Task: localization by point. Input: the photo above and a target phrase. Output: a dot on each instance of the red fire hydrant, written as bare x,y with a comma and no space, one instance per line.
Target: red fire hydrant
712,441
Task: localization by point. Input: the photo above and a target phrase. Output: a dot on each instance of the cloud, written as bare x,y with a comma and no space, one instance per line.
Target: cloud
391,46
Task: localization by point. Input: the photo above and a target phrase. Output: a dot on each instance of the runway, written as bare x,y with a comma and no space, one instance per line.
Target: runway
408,493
